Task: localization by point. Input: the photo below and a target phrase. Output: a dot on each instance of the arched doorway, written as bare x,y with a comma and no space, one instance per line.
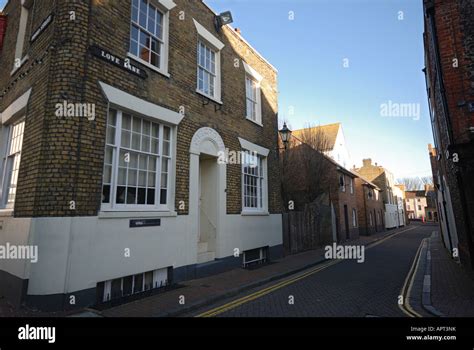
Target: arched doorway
207,186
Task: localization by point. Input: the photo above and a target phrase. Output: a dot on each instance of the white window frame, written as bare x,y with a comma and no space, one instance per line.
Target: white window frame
6,165
21,39
252,75
112,205
163,6
351,185
205,37
263,154
343,186
354,217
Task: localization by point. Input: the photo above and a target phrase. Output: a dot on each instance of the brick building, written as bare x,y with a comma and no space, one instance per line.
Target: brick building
311,174
449,71
344,202
392,196
370,207
416,204
130,117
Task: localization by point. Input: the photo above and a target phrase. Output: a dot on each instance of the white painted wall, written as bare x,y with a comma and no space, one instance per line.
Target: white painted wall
340,152
15,232
391,215
76,253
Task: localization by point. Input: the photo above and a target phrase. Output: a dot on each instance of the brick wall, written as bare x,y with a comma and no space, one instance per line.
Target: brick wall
450,40
340,199
367,206
62,159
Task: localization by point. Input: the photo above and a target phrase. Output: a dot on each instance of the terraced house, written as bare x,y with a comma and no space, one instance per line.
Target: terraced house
114,115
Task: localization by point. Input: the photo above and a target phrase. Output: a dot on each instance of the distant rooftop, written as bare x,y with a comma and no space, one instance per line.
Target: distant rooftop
330,131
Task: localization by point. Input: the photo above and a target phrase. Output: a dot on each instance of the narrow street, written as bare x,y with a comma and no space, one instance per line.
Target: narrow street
342,289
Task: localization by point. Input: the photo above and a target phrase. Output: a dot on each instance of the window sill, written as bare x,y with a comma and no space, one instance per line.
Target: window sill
136,214
148,65
6,213
209,97
23,61
254,213
254,121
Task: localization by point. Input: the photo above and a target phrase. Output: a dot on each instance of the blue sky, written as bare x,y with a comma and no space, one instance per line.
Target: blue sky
385,57
385,61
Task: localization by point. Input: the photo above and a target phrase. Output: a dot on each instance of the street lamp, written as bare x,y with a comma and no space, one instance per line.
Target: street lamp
285,135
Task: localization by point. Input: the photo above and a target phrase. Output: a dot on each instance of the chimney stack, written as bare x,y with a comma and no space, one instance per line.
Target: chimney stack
367,162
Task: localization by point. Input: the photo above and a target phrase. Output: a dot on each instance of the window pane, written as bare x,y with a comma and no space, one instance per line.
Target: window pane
159,25
121,191
136,141
125,142
138,283
122,176
146,127
132,178
166,148
150,198
116,289
163,196
151,19
141,198
106,194
142,179
134,13
126,122
166,133
131,195
127,285
151,180
148,280
110,135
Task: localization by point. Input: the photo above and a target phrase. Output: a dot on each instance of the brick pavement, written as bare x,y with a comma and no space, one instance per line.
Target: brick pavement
201,292
452,288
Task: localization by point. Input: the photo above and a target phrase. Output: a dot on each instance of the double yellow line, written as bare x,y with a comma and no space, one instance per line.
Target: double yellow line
233,304
408,285
265,291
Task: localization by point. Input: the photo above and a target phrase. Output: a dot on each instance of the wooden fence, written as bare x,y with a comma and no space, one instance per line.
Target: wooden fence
308,229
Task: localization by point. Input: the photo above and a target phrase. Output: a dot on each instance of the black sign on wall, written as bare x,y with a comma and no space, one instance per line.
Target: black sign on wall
145,223
124,63
42,27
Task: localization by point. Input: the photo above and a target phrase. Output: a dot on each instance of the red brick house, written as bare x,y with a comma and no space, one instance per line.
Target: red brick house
370,207
449,67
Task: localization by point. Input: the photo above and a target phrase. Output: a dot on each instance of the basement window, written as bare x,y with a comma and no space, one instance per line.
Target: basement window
255,256
134,284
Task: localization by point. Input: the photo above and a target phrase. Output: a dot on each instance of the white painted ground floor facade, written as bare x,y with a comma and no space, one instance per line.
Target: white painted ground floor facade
87,260
75,254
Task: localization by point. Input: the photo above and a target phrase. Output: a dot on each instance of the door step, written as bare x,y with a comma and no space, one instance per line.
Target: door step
202,247
205,257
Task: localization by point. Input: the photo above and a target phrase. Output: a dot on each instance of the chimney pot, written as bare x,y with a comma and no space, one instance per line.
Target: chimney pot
237,30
